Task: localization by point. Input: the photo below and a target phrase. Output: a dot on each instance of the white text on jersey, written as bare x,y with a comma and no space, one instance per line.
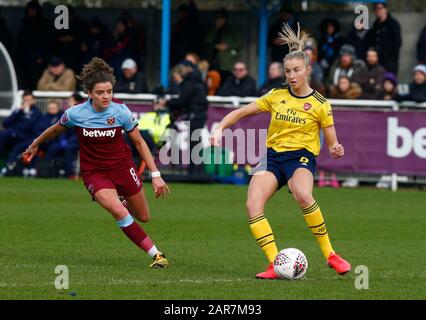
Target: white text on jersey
99,133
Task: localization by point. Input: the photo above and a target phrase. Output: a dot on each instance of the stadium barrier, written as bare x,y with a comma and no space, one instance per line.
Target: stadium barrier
385,141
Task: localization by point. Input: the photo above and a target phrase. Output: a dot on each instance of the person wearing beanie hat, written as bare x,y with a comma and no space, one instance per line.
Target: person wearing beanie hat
388,88
375,74
348,65
417,88
420,68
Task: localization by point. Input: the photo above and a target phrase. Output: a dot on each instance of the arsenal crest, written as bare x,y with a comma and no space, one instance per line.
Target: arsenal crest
307,106
111,121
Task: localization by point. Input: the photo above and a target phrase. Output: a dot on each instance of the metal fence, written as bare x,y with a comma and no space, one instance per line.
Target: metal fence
350,178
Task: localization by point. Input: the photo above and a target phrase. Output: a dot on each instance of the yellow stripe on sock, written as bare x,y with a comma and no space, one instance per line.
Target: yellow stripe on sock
262,232
315,222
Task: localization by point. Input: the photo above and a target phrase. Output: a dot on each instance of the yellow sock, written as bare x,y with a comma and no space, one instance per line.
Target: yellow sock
262,232
315,222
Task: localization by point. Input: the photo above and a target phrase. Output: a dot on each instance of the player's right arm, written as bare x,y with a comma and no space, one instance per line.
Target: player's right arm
48,134
232,118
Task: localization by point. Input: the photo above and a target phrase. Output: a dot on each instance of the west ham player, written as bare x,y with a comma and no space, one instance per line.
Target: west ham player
297,114
105,159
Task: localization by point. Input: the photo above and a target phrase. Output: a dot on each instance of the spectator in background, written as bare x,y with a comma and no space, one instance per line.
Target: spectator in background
153,126
191,59
417,88
329,43
195,60
357,38
287,16
317,74
130,80
5,35
203,67
44,121
388,89
69,142
62,151
187,35
67,42
222,45
213,82
118,47
375,74
57,77
421,47
19,126
191,105
348,65
34,45
239,84
385,36
137,38
345,89
94,43
275,78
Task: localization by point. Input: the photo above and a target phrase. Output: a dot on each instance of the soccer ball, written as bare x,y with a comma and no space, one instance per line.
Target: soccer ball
290,264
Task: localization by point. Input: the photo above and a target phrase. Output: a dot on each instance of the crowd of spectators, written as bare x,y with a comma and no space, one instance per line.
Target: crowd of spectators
343,66
360,65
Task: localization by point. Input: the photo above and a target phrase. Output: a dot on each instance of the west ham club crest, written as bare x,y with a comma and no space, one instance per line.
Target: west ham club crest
111,121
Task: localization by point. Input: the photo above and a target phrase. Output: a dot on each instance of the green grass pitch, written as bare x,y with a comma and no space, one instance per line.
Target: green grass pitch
204,232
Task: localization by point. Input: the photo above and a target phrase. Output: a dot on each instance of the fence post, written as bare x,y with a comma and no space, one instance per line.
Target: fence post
394,182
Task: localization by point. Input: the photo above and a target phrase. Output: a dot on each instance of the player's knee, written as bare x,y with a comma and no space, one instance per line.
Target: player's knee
144,216
254,206
303,198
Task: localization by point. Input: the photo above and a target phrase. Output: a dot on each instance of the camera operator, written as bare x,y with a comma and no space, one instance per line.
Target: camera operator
191,105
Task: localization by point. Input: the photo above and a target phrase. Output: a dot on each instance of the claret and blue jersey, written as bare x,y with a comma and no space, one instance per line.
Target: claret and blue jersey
99,133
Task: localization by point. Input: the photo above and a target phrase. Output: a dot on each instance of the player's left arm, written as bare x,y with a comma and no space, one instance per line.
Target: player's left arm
335,149
160,187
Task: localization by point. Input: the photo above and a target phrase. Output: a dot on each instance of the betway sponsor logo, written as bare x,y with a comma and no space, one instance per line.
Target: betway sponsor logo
408,141
99,133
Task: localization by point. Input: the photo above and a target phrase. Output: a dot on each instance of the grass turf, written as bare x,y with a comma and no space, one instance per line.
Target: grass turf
204,232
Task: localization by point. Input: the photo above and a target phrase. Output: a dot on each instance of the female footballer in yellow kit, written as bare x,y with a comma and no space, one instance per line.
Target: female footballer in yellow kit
297,114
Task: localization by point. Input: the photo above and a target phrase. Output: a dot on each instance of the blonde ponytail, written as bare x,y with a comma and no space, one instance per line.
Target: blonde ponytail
295,42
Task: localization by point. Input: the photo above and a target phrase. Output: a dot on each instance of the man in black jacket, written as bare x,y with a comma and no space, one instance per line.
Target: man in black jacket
385,36
191,105
421,47
239,84
278,51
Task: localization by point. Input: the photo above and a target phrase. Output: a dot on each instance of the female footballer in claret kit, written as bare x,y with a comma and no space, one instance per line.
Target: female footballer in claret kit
106,163
297,114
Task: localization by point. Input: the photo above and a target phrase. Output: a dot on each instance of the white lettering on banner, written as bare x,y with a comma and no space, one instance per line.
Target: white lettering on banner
99,133
410,142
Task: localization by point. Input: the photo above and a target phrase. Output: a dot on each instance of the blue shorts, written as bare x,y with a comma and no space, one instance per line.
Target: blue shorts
283,164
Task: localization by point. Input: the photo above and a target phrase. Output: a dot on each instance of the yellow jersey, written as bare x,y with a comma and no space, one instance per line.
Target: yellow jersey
295,121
